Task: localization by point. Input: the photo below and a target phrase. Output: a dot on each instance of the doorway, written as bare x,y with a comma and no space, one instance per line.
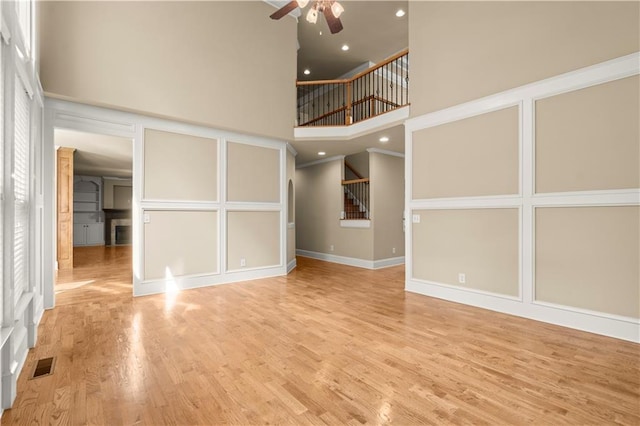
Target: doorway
94,183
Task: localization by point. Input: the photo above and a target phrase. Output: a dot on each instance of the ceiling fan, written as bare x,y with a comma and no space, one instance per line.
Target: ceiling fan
330,8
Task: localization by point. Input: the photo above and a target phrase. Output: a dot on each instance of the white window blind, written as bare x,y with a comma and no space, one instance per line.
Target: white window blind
2,65
21,191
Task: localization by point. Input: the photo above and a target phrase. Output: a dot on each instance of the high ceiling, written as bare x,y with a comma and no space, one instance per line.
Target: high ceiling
373,33
371,30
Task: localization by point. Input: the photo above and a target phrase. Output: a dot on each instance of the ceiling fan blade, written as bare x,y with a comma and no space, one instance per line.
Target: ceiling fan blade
284,10
335,26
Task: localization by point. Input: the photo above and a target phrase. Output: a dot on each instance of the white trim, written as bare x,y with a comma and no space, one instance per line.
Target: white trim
179,205
355,223
352,261
292,265
595,324
386,263
386,152
497,201
250,207
324,160
587,312
292,150
527,201
361,128
64,114
625,66
206,280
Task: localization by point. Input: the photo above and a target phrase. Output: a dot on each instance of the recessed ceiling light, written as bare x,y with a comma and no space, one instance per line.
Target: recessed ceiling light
322,153
384,139
320,32
400,13
345,47
306,72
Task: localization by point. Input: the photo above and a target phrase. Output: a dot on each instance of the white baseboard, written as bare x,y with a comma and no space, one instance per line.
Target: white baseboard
352,261
620,328
386,263
189,282
292,265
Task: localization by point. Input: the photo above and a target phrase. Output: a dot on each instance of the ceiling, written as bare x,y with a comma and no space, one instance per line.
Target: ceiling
308,150
371,30
97,155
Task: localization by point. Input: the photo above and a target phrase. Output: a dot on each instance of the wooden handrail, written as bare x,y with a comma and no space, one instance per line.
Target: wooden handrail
381,64
357,76
346,182
375,98
348,109
328,114
354,171
314,82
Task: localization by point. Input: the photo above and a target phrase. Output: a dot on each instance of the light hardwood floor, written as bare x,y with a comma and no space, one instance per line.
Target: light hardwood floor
329,344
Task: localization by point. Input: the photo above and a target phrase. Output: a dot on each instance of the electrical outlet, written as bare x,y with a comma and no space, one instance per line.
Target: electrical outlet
462,278
331,247
416,218
393,250
243,262
146,218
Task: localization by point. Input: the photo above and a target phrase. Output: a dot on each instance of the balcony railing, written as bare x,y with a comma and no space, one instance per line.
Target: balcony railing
380,89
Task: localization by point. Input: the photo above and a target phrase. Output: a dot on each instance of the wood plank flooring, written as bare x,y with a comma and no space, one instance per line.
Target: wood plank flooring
329,344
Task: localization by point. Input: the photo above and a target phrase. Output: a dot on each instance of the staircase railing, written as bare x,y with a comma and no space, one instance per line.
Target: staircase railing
380,89
356,199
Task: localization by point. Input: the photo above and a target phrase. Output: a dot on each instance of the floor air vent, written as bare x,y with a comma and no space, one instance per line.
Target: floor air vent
44,367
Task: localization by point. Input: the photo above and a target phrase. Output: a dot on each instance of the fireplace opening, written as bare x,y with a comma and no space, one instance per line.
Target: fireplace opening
123,234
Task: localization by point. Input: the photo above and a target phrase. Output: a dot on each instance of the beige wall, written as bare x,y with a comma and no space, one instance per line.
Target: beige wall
205,62
360,162
472,157
180,243
466,50
107,193
319,201
253,173
253,236
589,139
588,257
483,244
180,167
387,205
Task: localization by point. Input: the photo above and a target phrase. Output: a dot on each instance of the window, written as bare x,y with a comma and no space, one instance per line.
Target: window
24,22
21,180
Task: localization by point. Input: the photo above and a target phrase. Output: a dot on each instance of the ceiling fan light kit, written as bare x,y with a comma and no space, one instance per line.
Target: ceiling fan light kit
312,16
331,10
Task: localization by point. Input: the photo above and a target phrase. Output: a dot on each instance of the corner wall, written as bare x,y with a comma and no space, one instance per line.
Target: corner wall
321,234
527,201
319,202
